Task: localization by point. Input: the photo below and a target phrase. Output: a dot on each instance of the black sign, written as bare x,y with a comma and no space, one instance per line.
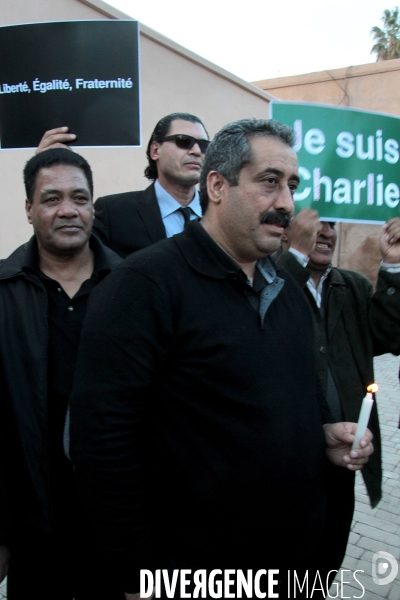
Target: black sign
82,74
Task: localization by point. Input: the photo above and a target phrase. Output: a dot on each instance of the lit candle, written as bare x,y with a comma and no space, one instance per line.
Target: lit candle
364,416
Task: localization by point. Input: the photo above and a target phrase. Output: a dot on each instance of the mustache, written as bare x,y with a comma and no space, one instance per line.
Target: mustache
274,217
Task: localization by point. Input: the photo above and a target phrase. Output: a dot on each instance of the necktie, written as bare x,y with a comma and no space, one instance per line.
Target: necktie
186,211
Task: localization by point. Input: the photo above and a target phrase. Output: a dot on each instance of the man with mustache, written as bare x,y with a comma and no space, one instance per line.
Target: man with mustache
44,289
133,220
352,324
197,431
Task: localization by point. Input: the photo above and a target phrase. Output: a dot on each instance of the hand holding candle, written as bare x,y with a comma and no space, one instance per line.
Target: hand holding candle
364,415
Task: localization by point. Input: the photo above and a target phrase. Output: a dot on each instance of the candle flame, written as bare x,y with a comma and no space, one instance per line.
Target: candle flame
372,388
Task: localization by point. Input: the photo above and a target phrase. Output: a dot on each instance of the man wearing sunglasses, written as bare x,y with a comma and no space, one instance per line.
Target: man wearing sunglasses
134,220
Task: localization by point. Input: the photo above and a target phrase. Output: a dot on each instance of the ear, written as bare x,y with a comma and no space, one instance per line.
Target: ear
154,148
28,208
216,186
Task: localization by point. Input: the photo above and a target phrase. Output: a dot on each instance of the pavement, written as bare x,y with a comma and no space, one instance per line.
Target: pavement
373,530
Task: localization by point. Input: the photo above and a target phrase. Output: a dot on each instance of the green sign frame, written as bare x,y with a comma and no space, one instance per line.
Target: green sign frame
349,161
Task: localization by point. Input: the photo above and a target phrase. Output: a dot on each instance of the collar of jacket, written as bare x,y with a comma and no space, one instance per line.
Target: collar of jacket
25,258
205,256
335,277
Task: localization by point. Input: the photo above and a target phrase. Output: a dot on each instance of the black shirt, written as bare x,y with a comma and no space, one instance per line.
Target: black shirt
65,319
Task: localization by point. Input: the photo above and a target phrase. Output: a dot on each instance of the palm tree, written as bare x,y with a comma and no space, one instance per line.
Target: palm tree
387,40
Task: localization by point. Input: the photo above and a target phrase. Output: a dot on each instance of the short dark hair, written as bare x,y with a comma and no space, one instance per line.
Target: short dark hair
230,150
53,158
161,130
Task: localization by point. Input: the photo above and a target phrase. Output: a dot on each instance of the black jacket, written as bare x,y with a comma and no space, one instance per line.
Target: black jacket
129,222
195,428
23,378
360,324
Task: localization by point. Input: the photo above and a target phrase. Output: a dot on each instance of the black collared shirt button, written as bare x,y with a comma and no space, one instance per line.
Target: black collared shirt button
70,308
322,349
390,291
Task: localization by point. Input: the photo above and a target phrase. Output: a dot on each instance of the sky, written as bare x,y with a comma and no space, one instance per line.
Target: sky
261,39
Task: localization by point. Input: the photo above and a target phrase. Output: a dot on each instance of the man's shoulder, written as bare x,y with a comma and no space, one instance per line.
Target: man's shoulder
169,258
350,277
158,267
354,286
127,198
161,255
293,283
288,261
12,265
105,255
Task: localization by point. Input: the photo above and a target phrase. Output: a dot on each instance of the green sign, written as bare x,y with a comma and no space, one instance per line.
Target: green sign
348,161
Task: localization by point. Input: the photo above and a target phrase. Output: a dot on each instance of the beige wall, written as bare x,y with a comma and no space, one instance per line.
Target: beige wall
369,87
172,79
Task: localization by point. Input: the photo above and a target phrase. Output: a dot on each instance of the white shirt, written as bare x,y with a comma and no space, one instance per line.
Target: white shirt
316,290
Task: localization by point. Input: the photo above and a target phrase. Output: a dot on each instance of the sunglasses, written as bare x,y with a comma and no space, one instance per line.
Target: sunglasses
186,142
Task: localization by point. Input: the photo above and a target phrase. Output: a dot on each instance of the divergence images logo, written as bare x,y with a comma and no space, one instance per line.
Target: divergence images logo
381,573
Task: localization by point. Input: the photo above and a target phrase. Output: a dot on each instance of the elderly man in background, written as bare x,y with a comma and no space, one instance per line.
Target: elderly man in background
352,324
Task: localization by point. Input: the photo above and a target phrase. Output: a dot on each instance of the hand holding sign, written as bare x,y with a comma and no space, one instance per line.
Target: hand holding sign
303,230
389,242
55,138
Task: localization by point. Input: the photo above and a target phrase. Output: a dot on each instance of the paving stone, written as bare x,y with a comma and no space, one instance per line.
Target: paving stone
354,564
391,505
362,498
390,482
383,514
365,579
364,508
389,460
372,545
376,534
356,593
387,443
383,525
354,551
354,537
394,593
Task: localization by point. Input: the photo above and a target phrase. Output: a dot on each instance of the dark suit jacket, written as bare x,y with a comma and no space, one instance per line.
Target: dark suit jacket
360,325
128,222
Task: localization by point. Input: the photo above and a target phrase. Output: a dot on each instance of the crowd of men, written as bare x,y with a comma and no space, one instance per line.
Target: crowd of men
198,411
